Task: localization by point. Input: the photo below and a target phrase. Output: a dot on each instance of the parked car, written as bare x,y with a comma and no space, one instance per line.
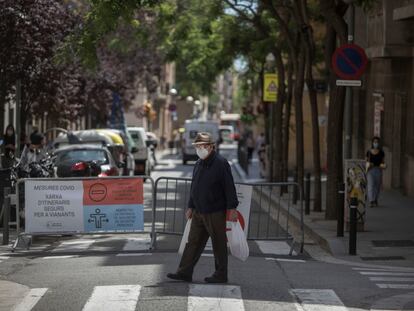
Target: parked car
191,128
142,156
125,146
69,155
108,138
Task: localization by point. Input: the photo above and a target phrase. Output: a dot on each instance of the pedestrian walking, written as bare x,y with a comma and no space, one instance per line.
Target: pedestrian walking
9,143
212,195
375,165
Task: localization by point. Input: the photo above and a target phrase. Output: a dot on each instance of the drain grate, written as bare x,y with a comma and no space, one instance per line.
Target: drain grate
393,243
384,258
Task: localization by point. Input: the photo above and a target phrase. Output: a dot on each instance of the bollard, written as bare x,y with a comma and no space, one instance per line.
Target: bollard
353,206
307,193
6,216
340,220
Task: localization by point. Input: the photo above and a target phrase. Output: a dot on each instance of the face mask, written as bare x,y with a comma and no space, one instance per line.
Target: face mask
202,153
375,145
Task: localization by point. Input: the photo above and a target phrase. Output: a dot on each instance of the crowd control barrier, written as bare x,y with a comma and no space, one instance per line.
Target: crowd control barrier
264,209
65,206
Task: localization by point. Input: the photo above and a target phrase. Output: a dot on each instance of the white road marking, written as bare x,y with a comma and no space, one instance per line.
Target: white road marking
318,300
396,286
116,297
391,269
60,257
215,297
396,302
133,254
286,260
388,273
70,246
391,279
274,247
31,299
137,244
4,257
207,255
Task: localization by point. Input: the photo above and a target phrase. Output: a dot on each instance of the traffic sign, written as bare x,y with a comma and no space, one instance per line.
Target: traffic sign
348,82
349,61
270,87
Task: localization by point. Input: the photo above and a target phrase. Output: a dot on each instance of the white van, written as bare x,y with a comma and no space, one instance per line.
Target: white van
191,128
141,157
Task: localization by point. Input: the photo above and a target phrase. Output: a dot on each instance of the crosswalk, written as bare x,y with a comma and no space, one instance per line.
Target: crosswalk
206,297
143,244
388,278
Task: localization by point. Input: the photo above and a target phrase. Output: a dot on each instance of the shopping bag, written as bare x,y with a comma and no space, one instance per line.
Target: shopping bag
237,241
184,240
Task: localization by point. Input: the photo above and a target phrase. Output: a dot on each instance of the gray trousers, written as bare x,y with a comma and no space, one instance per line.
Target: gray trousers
374,177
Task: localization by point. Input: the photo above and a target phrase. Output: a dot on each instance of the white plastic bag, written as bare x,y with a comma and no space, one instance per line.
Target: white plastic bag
184,240
237,241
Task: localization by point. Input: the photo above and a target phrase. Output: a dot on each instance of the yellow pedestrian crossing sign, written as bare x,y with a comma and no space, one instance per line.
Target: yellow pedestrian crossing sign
270,87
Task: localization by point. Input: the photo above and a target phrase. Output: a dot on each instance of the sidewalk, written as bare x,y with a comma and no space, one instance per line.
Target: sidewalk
388,238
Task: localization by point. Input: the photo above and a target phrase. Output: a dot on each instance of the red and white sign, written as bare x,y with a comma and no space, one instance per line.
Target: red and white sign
244,195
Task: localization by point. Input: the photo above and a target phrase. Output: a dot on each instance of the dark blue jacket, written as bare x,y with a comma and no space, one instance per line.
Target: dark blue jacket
212,188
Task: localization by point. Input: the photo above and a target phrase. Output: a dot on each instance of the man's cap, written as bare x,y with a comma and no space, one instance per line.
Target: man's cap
36,138
203,138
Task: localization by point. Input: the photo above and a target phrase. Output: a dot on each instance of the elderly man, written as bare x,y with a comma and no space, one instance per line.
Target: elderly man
212,195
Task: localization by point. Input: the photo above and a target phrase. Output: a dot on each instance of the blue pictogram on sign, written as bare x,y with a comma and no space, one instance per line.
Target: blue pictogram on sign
349,61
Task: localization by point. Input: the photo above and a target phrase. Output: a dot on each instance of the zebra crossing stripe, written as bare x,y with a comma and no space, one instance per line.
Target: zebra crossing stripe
31,299
396,286
70,246
317,300
117,297
390,279
387,273
137,244
215,297
274,247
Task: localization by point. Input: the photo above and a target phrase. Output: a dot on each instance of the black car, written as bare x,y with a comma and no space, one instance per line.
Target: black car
68,156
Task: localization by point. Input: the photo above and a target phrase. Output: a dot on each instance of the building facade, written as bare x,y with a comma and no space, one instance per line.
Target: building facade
384,106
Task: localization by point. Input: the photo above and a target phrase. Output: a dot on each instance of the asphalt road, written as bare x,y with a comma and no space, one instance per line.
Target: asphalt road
119,272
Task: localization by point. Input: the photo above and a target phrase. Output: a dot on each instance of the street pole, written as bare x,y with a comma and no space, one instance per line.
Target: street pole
349,90
347,153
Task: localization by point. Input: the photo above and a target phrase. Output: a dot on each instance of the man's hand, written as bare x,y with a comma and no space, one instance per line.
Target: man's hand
232,215
189,213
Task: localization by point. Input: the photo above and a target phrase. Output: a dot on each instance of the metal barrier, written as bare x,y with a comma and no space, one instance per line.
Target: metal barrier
96,217
269,218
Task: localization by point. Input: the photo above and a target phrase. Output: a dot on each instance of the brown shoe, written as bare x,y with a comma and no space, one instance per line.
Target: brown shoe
179,277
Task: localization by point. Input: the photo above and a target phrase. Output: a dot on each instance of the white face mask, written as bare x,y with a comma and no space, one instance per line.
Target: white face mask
202,153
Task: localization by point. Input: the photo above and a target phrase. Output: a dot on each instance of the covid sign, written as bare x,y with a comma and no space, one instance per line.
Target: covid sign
101,205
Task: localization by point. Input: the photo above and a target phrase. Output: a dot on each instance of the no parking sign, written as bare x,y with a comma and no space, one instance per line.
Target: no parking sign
349,61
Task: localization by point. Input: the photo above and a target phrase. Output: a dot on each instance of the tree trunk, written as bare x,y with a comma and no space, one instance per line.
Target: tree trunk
298,93
313,99
278,119
336,27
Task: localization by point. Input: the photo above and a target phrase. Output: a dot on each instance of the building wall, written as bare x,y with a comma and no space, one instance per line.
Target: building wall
385,104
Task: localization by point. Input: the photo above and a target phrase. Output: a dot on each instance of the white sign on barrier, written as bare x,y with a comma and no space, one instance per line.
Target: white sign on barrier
244,195
93,205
